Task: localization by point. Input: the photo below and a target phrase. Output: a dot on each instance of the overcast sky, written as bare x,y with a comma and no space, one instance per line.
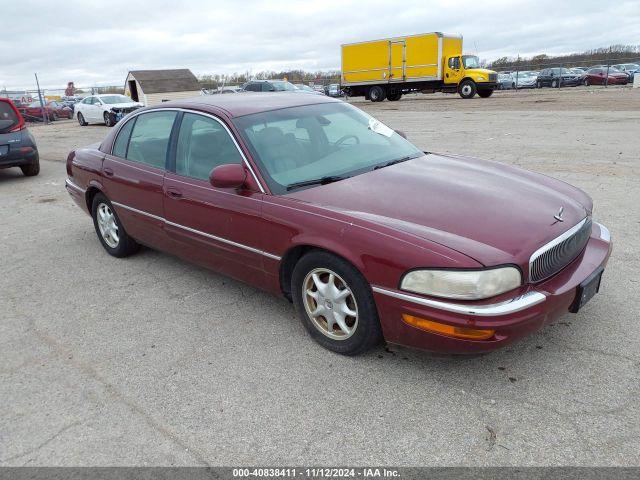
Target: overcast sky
97,44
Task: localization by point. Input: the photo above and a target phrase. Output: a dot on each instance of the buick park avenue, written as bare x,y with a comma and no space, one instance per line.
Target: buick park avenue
371,238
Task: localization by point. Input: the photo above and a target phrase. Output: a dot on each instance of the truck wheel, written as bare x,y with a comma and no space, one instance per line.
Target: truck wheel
393,97
467,89
377,94
485,93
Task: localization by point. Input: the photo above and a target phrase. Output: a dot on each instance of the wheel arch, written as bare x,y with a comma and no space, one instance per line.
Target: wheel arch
296,252
92,190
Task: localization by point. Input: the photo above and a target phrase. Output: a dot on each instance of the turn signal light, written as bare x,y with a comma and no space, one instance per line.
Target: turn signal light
448,330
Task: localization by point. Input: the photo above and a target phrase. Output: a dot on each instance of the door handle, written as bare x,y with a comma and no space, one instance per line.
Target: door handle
173,193
108,172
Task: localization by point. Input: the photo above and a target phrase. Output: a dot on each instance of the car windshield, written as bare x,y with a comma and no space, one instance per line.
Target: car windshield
282,86
470,61
8,117
113,99
310,142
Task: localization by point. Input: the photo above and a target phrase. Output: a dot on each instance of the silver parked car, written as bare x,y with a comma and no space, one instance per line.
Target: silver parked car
526,79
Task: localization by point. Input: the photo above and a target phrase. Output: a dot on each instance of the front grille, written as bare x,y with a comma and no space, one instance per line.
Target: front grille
493,77
560,252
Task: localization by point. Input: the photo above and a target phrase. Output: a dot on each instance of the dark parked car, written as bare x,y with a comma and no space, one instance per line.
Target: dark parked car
557,77
309,197
17,145
270,86
598,76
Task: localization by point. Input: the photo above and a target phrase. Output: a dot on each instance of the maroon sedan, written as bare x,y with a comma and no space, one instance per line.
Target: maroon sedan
598,76
309,197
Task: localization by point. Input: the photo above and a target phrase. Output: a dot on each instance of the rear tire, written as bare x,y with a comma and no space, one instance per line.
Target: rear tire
377,94
485,93
31,170
467,89
554,84
538,84
110,230
364,327
81,120
394,97
586,82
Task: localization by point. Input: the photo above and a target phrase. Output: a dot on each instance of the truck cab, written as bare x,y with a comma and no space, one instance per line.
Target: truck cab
462,73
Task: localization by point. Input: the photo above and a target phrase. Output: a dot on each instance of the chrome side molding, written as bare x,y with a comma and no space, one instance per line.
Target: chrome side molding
516,304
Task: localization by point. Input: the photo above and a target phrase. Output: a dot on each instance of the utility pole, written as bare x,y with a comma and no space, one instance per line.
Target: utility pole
606,80
44,110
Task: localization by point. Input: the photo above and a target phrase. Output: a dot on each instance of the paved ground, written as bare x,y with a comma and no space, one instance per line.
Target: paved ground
151,360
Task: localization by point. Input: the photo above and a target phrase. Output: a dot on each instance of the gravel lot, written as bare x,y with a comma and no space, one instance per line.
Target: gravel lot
153,361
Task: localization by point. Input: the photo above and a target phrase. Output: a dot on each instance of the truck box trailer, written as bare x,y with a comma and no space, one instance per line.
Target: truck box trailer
387,68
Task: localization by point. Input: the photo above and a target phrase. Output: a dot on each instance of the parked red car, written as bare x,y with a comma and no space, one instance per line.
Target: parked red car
60,110
308,197
598,76
33,112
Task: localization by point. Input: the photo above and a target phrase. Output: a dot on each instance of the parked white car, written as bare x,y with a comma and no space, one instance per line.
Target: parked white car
108,109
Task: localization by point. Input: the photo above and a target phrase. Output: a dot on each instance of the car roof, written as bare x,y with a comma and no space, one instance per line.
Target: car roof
248,103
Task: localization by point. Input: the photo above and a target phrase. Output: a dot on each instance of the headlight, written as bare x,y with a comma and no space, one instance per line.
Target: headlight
462,285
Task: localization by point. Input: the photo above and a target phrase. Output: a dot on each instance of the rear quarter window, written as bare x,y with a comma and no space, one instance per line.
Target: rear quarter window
8,117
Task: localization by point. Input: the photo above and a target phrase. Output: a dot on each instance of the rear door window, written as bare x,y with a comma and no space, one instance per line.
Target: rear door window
150,138
8,117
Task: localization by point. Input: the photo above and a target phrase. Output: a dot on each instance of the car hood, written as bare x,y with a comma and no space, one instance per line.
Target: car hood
488,211
124,105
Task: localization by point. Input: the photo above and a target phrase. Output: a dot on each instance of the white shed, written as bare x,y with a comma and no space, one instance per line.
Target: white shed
152,87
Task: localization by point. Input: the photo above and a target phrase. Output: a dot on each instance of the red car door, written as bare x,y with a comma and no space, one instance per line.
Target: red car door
216,227
133,175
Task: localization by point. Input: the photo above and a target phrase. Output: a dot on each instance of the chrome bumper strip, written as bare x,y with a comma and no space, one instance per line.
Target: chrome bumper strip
198,232
517,304
70,184
604,233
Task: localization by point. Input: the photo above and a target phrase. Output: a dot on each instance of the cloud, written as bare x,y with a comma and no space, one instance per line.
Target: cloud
97,43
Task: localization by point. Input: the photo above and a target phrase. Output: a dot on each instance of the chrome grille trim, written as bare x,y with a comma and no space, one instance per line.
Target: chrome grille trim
559,252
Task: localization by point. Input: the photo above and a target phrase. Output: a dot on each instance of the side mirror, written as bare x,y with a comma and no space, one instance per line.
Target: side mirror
401,133
232,175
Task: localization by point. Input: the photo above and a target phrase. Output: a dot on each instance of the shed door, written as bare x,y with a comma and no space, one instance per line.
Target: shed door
397,61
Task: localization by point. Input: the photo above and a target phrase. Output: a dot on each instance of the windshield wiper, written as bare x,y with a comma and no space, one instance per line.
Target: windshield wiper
316,181
398,160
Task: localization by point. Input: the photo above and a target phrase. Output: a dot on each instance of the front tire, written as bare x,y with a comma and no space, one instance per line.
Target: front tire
107,119
485,93
81,120
335,303
109,229
586,82
554,84
377,94
467,89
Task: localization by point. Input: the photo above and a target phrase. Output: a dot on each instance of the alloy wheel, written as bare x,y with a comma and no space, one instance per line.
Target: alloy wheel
107,225
330,304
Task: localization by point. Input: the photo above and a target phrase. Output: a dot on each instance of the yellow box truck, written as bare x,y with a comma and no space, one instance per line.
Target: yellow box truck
387,68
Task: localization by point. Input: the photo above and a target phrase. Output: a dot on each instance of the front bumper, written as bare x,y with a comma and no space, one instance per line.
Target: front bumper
512,320
487,85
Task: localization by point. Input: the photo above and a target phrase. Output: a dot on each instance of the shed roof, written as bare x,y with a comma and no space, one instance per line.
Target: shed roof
162,81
